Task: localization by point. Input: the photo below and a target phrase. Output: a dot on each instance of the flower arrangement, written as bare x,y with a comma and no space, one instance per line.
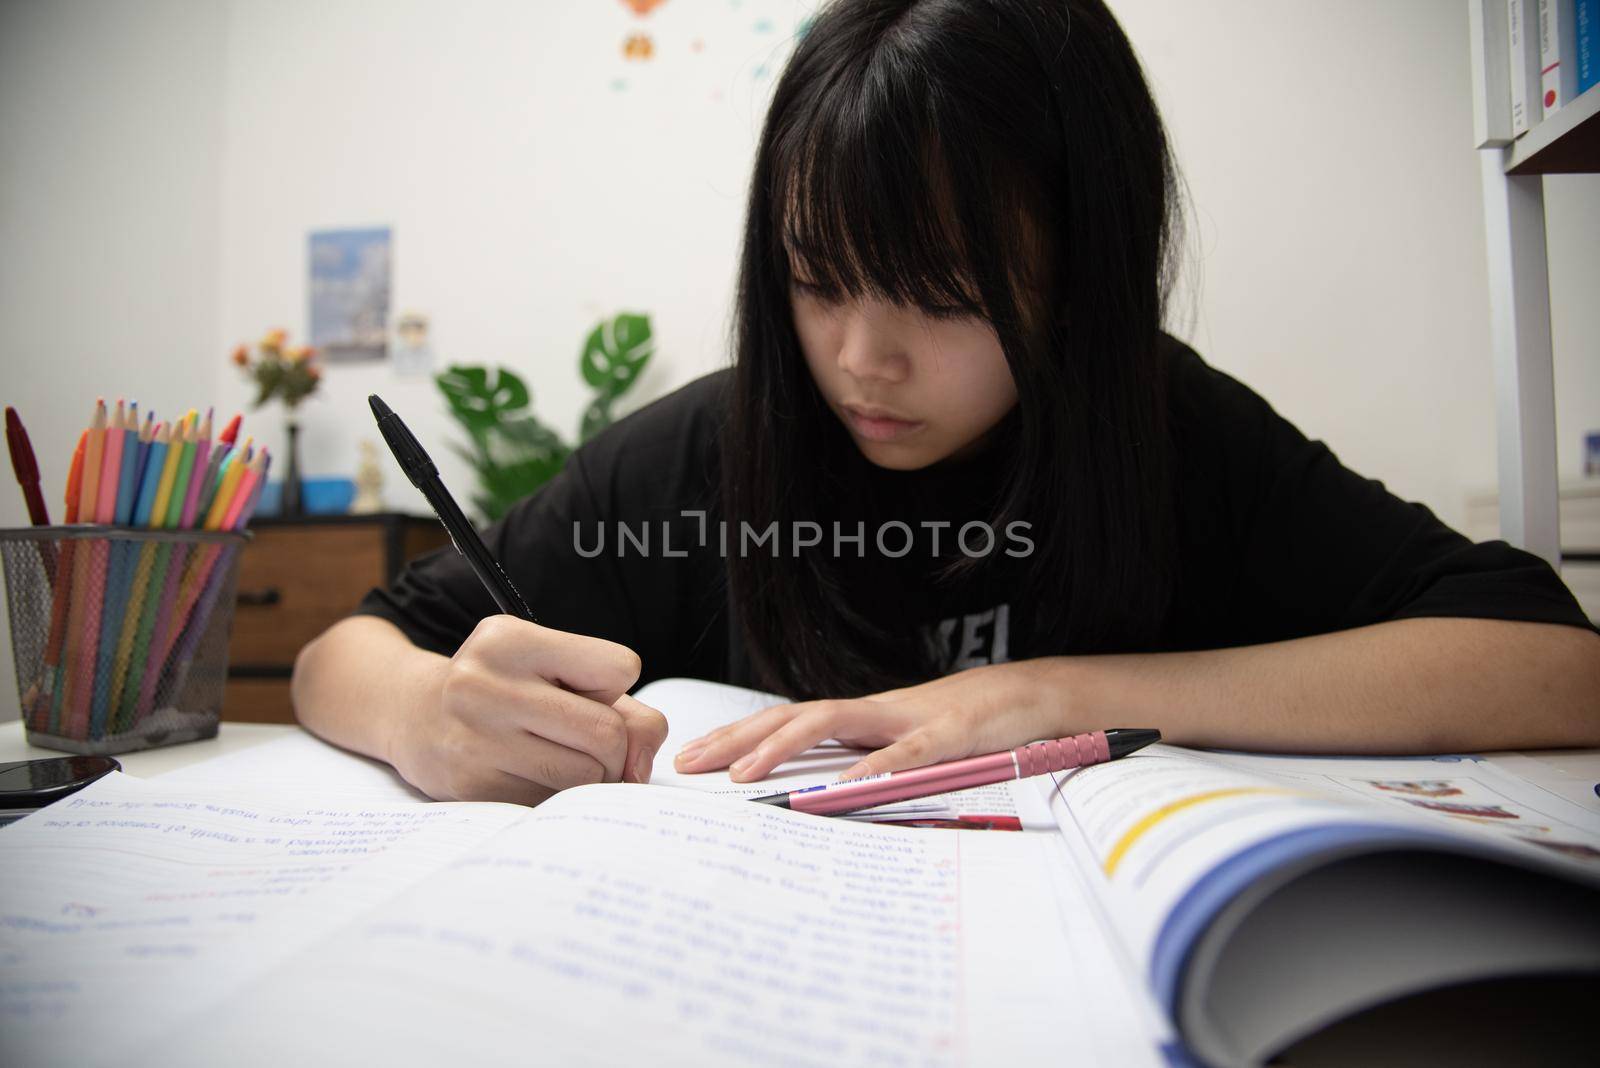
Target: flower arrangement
289,374
280,371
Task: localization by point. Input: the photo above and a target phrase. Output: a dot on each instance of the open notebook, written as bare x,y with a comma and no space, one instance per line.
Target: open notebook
1225,903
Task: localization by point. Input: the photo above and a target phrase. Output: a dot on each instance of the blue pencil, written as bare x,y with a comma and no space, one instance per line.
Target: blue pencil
128,483
154,461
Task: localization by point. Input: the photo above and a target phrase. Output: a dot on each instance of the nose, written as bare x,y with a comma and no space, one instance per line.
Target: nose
871,345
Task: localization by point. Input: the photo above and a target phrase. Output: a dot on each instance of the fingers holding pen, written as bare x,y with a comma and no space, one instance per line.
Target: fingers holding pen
593,667
508,710
647,730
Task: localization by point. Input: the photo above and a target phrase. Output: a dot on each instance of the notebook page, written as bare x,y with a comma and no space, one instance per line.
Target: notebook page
298,768
127,904
687,930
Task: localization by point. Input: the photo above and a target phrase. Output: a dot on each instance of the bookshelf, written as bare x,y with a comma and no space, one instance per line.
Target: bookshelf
1567,142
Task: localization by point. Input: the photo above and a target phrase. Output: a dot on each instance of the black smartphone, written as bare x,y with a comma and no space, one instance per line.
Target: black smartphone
29,785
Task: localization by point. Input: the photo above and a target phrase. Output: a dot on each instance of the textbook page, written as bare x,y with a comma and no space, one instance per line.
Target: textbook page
694,707
626,924
1150,827
130,903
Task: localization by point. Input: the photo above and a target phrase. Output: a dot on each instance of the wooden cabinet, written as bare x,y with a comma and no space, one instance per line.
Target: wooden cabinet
297,577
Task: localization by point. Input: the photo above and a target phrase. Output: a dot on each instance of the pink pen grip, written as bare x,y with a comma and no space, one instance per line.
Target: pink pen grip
1037,758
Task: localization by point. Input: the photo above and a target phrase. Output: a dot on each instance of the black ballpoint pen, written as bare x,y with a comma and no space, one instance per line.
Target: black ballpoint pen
419,468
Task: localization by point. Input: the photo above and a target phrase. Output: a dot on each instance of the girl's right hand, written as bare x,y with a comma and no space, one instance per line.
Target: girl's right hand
522,711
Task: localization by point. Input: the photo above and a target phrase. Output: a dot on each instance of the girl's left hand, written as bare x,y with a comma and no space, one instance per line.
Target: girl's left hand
979,710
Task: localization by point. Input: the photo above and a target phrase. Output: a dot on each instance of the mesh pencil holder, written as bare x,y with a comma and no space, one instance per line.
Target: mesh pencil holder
120,635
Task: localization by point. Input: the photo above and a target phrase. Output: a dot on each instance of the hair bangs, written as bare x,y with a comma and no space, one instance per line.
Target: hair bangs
865,200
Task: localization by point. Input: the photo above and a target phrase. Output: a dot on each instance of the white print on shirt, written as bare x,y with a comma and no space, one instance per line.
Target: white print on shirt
956,649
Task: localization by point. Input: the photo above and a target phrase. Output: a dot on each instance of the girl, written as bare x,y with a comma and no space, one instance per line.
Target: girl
958,491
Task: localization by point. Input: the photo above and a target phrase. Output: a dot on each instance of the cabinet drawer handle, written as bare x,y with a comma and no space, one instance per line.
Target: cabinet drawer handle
259,598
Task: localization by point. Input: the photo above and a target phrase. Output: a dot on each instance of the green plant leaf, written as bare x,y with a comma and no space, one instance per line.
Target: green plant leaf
531,434
506,484
478,400
596,417
615,352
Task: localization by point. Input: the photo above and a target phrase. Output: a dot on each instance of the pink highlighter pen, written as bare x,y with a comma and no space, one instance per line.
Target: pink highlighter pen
1036,758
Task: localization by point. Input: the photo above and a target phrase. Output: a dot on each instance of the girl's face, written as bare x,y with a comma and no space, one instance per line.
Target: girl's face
912,388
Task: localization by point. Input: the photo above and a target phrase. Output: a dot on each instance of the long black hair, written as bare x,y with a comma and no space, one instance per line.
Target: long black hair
1005,156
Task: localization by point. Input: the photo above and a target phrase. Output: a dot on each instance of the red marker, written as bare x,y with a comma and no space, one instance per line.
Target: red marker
1038,758
26,468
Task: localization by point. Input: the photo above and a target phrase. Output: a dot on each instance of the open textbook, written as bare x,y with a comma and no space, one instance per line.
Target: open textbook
1174,903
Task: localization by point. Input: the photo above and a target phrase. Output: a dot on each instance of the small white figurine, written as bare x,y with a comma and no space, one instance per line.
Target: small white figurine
369,482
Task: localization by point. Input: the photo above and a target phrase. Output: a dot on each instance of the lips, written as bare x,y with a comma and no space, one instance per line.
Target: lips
879,424
868,411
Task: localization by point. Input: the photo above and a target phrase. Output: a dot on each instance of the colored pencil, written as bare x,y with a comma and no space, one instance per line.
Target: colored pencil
213,479
180,480
196,610
169,475
80,596
155,463
154,601
111,466
119,578
162,622
89,495
139,665
121,667
245,490
202,453
237,515
230,433
149,485
230,484
128,476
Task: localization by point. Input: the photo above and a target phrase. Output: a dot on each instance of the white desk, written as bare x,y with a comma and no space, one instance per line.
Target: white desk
147,763
1571,773
1404,1037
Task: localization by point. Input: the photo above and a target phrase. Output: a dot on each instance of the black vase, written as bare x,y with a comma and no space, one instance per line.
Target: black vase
290,506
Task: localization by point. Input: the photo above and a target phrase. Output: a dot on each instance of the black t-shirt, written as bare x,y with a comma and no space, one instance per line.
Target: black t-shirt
1277,540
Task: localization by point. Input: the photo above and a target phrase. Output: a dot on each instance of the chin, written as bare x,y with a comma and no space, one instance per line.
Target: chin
895,458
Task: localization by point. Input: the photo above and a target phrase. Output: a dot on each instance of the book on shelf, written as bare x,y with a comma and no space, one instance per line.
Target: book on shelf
1522,43
1491,73
1586,23
1558,59
1173,904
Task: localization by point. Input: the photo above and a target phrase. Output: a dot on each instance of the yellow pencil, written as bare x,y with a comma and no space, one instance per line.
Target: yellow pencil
230,486
169,475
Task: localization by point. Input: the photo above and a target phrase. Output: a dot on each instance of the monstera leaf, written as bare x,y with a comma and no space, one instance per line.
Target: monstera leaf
596,417
615,352
481,402
513,452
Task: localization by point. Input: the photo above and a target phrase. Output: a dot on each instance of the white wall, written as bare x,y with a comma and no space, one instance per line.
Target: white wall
529,196
164,161
1338,220
110,132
